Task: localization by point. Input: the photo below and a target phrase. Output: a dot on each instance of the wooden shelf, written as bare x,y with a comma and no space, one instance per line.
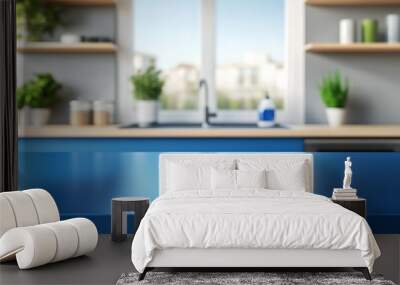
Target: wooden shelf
299,131
353,2
353,48
81,2
56,47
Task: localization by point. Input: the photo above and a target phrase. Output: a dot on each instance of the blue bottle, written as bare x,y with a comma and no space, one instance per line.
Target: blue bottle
266,113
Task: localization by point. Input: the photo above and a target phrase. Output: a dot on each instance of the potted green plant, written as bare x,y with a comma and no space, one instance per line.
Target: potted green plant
35,19
23,110
147,89
39,94
334,92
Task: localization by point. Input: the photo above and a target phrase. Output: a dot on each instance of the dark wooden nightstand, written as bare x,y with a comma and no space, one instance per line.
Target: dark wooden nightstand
358,206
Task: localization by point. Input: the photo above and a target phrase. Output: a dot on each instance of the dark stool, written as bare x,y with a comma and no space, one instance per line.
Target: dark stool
120,206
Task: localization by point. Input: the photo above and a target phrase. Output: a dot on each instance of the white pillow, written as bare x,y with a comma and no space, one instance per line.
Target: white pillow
292,179
193,175
223,179
181,177
251,179
282,174
226,179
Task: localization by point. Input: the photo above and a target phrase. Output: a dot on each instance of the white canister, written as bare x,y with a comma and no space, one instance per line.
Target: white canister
79,113
103,112
347,31
393,28
70,38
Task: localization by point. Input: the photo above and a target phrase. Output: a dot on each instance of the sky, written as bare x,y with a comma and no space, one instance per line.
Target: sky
170,29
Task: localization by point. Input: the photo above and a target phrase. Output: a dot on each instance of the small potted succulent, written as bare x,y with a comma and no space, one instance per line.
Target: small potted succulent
39,94
334,92
147,89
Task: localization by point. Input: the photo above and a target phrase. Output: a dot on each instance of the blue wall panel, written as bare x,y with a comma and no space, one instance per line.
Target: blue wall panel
160,145
376,175
84,174
84,182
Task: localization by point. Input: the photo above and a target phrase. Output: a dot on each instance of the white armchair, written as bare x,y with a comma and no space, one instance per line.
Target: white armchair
31,230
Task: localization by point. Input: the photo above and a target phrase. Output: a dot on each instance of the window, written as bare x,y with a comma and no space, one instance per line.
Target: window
167,35
250,49
241,47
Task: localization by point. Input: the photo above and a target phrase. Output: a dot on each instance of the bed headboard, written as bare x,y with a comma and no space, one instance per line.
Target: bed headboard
166,158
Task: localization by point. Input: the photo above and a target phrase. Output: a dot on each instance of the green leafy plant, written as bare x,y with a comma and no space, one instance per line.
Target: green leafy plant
37,17
20,98
334,91
147,84
40,92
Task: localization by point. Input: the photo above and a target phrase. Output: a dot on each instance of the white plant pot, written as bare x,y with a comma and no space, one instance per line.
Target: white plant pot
336,116
39,116
23,116
147,112
22,34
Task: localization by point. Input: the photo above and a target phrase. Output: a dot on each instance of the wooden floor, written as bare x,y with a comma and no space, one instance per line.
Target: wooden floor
103,266
106,264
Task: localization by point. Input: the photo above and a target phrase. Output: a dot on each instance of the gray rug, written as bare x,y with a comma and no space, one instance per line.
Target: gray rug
269,278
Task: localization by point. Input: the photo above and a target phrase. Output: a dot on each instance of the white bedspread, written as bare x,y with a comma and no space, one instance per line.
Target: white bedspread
250,219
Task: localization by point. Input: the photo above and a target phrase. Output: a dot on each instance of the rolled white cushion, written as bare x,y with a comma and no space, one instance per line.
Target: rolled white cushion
87,235
7,218
41,244
45,205
33,246
23,208
67,240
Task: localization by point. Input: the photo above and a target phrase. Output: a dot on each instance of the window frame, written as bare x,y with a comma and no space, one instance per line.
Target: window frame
294,110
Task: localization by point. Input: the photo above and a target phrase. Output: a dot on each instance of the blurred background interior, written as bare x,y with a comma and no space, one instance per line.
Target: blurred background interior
105,86
78,60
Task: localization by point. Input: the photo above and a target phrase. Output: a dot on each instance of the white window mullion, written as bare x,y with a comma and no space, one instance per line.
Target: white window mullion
294,112
124,105
208,50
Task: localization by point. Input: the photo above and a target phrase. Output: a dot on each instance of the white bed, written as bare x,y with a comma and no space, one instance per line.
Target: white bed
198,222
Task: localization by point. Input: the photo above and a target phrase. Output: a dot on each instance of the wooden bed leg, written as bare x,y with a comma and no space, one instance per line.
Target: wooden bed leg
365,272
143,274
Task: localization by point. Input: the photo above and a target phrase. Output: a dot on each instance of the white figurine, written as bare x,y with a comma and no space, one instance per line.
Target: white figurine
348,173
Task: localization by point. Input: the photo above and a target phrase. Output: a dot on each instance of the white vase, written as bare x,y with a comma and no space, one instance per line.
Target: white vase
393,28
23,117
146,112
39,116
347,31
336,116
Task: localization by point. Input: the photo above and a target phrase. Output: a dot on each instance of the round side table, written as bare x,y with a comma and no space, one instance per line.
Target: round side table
120,206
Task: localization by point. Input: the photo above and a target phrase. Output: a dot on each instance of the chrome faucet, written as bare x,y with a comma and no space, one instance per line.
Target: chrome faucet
207,113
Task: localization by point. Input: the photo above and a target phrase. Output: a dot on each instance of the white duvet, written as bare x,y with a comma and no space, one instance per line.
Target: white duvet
250,219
